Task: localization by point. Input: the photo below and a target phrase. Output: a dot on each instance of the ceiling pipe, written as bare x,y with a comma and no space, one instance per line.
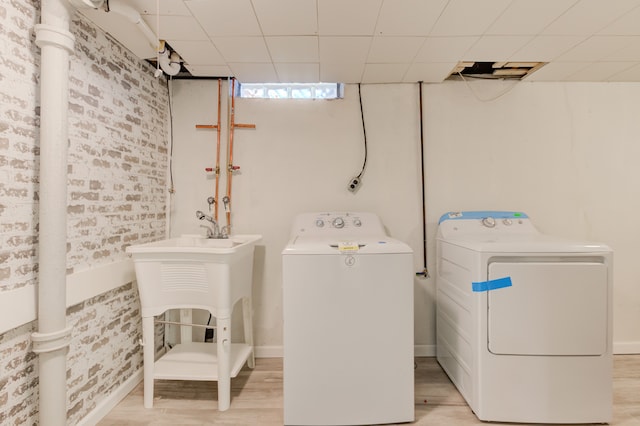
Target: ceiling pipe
51,341
121,7
170,63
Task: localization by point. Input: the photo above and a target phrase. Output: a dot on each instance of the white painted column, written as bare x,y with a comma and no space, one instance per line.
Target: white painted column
51,341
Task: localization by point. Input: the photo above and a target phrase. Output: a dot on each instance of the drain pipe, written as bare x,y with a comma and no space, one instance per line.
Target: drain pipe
169,61
123,8
51,341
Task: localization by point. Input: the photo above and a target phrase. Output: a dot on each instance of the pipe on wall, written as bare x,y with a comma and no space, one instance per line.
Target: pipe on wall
123,8
51,341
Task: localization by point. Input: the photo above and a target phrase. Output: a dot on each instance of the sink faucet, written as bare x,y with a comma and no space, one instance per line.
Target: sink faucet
211,233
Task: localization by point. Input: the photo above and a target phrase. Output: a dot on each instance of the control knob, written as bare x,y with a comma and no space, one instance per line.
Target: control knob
338,222
489,222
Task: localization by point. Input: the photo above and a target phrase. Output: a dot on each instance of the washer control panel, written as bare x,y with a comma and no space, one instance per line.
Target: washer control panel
338,223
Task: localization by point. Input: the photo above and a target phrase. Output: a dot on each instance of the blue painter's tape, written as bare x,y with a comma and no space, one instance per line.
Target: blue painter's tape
491,284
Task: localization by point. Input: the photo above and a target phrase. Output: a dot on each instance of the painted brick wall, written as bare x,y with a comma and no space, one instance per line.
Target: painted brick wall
118,114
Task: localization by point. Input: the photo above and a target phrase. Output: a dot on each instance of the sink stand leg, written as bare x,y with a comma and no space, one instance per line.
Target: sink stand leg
148,349
224,363
247,320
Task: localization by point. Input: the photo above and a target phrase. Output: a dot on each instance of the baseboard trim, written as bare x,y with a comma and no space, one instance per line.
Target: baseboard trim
626,348
107,404
425,350
277,352
268,351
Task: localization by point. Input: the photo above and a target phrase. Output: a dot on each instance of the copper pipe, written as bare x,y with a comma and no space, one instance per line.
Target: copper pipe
217,170
230,166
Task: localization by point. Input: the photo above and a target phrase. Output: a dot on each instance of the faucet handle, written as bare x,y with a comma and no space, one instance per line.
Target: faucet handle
211,201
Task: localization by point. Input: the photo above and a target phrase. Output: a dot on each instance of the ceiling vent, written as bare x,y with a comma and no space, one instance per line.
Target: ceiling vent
495,70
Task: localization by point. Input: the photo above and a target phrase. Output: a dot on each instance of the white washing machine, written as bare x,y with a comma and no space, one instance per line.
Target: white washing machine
348,322
524,320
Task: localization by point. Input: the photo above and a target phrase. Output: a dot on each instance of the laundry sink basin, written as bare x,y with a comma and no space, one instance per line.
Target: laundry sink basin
196,244
194,271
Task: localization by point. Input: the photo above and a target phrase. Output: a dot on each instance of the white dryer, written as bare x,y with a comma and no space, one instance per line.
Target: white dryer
348,322
524,320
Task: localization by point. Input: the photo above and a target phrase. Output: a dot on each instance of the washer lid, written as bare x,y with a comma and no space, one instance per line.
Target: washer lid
337,245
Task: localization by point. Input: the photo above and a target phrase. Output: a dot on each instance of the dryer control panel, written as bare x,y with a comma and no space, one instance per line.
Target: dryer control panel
485,222
337,223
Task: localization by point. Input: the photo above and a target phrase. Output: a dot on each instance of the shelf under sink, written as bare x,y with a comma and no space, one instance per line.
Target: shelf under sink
198,361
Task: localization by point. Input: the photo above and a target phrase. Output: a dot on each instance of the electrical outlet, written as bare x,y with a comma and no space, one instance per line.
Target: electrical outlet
208,335
354,183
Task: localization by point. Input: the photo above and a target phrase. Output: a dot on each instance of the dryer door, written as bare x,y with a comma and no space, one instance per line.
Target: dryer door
552,308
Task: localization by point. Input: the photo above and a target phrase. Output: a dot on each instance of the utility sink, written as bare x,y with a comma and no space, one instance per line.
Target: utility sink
194,272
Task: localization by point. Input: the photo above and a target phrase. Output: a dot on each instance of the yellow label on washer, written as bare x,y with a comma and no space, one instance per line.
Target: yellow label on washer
348,247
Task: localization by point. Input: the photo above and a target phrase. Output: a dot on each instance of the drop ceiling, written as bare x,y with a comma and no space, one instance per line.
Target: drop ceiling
387,41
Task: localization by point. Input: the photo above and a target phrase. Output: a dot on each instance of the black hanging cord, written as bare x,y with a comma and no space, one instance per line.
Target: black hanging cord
425,272
364,132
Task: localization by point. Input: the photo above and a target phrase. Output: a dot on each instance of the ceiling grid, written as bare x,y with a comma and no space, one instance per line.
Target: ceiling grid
387,41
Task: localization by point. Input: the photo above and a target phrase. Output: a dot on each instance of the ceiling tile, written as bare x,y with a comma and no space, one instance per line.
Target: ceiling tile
347,17
334,39
344,49
589,16
495,48
527,17
242,49
630,52
444,49
600,71
468,17
628,24
545,48
298,73
225,18
429,73
177,28
394,49
556,71
341,72
293,49
167,7
198,52
630,74
254,72
384,73
208,70
596,48
287,17
408,17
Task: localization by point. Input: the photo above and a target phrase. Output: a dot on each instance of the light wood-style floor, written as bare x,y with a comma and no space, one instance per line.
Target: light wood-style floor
256,399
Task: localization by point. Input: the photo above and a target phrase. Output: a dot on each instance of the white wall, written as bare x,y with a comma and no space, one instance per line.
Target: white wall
563,153
566,154
300,158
